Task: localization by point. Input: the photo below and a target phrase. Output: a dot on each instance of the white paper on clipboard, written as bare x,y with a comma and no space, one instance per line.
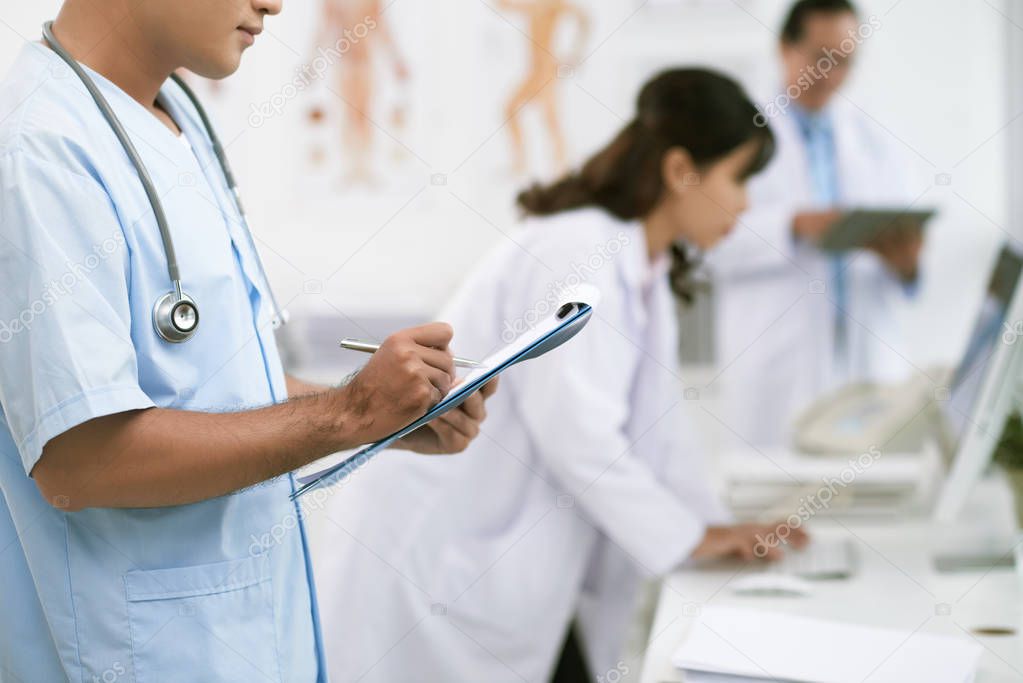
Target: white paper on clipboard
547,335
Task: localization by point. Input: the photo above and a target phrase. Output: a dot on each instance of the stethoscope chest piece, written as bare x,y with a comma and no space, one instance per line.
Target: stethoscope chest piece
176,318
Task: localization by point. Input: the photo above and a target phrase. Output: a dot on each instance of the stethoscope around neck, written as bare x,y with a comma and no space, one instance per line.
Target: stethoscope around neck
175,314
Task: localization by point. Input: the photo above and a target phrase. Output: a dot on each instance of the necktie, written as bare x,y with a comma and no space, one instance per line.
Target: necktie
820,149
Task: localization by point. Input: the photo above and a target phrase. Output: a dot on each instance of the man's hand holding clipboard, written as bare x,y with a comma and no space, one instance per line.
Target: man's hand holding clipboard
546,336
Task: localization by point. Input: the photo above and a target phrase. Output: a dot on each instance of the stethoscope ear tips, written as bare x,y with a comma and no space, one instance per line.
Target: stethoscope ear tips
175,319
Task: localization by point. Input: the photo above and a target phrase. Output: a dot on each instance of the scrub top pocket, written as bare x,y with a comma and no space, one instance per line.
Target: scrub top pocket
204,618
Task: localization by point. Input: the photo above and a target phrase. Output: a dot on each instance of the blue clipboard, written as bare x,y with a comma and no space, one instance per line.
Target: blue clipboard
571,318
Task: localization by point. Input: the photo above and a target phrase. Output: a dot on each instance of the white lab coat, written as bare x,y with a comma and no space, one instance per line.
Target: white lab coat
775,311
586,478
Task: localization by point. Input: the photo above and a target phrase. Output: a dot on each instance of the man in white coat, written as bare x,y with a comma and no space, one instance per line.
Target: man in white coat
792,320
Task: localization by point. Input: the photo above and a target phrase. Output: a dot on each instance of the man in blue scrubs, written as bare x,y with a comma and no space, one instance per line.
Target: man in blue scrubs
136,474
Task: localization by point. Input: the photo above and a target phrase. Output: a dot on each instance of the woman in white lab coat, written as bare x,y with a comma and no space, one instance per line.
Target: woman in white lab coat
586,477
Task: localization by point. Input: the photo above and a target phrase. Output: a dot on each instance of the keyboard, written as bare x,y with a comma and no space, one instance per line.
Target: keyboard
821,559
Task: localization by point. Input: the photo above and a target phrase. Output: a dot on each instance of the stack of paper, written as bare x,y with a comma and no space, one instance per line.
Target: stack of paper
730,644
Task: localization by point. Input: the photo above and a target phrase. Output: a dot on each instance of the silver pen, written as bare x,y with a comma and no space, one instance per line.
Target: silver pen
370,347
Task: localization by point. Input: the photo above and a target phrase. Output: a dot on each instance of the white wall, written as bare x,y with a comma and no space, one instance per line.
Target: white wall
935,75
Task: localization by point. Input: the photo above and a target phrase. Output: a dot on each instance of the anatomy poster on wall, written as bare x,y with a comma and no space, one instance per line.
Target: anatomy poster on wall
365,80
543,73
385,131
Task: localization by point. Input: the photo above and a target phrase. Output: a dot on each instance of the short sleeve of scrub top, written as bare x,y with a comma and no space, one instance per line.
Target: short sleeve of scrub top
68,351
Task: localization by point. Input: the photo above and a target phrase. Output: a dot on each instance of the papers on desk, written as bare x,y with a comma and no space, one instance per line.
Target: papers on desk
729,644
704,677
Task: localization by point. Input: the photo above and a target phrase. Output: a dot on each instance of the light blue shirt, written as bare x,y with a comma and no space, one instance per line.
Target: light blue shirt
219,590
818,132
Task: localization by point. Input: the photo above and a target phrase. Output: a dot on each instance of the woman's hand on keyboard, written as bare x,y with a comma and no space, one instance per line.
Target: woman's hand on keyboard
750,541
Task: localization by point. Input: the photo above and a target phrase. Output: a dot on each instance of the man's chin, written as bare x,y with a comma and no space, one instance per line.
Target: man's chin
216,70
816,101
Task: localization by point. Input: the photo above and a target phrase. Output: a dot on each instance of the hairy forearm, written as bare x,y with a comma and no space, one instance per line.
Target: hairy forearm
299,387
161,457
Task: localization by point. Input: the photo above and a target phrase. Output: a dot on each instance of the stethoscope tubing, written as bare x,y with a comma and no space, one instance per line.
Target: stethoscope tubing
173,271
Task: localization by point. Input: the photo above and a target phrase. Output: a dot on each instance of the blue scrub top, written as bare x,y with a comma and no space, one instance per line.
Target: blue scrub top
219,590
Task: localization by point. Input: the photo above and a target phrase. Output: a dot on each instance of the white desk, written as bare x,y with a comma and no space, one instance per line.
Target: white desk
896,586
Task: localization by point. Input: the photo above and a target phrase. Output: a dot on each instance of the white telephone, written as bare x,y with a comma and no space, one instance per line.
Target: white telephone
901,417
862,416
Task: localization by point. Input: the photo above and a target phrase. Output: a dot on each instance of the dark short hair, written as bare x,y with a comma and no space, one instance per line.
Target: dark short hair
794,27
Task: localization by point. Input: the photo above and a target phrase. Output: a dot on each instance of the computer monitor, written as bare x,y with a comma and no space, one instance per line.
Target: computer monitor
983,388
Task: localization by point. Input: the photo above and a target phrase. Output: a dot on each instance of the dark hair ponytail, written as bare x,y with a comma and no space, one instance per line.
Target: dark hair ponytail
706,113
